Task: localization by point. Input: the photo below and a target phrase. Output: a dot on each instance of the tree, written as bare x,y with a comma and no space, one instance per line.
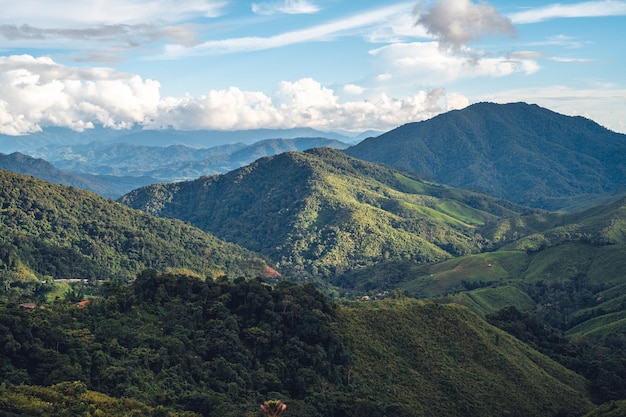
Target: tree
273,408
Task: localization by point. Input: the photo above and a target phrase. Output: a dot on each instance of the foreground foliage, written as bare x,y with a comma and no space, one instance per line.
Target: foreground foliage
179,344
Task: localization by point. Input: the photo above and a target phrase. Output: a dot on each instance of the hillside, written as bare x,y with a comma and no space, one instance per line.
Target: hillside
519,152
169,163
105,185
326,212
178,344
540,258
445,361
566,271
62,232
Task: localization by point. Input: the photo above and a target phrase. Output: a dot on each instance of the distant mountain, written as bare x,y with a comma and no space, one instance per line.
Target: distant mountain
325,212
62,232
211,138
520,152
105,185
170,163
54,136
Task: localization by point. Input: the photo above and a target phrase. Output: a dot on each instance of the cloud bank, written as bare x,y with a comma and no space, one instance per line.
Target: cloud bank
38,92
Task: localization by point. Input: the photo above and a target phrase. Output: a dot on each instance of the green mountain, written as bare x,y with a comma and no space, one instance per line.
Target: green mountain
325,212
177,345
62,232
520,152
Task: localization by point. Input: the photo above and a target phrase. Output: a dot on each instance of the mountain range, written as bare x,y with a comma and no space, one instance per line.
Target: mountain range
243,288
169,163
58,136
520,152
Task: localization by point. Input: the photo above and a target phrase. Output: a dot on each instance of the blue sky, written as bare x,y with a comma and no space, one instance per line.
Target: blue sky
327,64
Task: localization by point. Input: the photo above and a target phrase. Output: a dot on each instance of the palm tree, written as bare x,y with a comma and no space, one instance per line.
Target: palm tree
273,408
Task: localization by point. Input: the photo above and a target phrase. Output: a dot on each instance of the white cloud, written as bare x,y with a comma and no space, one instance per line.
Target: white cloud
583,9
37,92
322,32
457,22
285,6
80,13
428,63
353,89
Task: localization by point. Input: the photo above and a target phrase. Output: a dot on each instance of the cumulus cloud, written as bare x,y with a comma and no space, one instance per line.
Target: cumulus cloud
426,62
38,92
456,22
285,6
353,89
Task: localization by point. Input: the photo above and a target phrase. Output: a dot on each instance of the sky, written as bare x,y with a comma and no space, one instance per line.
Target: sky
332,65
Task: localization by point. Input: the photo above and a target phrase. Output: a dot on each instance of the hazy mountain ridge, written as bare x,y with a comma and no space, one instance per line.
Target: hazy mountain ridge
57,136
520,152
105,185
325,211
173,162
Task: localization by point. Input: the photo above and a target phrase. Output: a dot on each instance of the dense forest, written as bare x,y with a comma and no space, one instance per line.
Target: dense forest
172,344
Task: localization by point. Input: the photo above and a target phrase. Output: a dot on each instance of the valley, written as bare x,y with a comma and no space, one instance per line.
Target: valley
220,277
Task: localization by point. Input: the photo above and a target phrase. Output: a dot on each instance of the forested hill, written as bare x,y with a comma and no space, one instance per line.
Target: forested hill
325,212
520,152
52,230
174,345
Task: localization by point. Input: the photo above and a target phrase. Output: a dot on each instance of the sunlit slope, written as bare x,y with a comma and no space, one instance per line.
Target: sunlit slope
416,359
325,212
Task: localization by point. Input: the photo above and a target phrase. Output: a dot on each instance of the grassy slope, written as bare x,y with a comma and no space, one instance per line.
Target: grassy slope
445,361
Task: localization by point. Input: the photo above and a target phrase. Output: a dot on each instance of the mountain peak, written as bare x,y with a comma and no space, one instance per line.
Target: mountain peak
518,151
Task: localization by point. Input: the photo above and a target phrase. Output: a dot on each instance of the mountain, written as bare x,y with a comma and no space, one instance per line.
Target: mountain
170,163
210,138
519,152
171,344
56,136
61,232
324,211
105,185
137,136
